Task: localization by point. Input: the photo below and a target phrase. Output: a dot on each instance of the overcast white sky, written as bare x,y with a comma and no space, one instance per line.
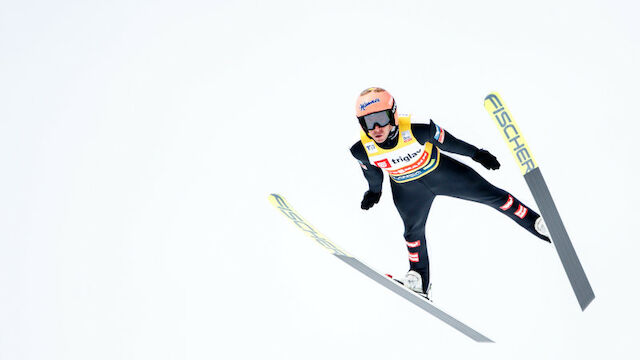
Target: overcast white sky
139,141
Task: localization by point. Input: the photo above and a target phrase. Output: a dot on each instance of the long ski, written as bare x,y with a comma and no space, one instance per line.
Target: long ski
281,204
513,137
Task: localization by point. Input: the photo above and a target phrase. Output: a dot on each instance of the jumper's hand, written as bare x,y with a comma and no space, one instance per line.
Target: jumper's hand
486,159
369,199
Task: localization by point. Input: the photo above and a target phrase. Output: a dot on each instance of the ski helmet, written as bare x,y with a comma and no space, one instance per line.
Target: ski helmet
375,106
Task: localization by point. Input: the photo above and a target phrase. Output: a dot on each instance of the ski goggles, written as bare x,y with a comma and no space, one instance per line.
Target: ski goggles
381,118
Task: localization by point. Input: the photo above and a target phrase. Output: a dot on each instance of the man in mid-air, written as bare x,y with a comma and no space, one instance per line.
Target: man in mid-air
411,155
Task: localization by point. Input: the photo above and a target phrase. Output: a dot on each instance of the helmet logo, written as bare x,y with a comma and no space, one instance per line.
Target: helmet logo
364,105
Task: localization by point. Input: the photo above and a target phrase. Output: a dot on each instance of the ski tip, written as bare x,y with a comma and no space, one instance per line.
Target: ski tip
277,200
492,95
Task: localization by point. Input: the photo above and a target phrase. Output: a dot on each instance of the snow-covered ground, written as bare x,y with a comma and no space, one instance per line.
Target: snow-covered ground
139,141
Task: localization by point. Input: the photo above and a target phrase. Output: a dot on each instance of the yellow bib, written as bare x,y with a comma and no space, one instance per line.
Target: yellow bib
408,160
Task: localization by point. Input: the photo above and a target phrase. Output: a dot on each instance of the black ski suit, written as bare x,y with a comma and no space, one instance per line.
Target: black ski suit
413,199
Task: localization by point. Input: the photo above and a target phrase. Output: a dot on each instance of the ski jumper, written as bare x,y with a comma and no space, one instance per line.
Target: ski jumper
419,172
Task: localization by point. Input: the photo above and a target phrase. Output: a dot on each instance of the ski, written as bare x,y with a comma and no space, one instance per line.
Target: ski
281,204
532,175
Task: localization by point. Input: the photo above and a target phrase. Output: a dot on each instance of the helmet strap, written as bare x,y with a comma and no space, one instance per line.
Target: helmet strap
392,139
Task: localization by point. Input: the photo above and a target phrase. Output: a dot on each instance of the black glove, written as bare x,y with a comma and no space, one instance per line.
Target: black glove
486,159
369,199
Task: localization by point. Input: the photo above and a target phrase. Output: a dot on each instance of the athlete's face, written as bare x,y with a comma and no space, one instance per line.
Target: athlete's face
380,134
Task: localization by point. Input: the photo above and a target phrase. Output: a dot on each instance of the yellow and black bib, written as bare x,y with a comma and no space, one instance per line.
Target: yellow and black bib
408,160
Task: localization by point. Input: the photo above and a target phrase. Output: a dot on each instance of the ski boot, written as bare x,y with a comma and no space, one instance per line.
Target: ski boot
541,228
413,282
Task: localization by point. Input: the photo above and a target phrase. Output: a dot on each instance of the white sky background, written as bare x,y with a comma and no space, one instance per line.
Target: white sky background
139,141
